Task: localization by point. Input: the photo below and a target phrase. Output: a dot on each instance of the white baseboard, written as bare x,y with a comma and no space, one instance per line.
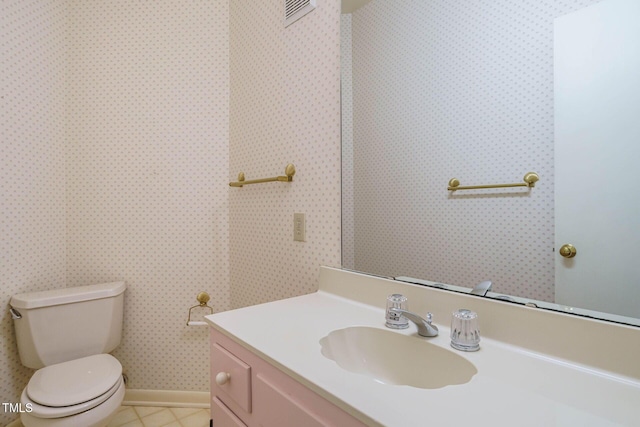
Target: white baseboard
166,398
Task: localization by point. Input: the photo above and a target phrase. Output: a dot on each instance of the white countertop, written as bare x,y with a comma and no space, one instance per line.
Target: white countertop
513,386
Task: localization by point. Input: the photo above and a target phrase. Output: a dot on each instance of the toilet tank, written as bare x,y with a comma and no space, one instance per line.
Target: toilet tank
65,324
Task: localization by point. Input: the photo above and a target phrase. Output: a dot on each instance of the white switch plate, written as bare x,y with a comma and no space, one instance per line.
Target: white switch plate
299,227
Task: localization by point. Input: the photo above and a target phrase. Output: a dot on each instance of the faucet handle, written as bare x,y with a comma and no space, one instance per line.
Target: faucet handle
465,332
395,320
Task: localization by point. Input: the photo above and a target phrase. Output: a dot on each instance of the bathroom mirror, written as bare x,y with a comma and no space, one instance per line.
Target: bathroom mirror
486,91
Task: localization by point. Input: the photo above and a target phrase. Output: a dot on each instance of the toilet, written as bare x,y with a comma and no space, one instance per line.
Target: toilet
66,334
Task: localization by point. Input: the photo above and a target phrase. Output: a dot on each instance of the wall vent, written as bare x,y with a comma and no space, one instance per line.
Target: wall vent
296,9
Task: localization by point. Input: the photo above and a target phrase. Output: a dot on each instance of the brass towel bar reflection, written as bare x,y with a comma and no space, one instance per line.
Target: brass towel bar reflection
289,171
530,180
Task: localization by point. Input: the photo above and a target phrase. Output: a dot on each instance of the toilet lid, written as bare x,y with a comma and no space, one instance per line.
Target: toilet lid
41,411
73,382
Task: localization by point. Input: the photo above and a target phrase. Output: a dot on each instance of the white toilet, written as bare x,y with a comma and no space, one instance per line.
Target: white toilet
66,334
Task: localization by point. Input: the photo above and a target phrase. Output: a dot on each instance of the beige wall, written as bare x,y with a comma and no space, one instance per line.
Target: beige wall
147,169
284,108
114,166
32,166
117,151
346,108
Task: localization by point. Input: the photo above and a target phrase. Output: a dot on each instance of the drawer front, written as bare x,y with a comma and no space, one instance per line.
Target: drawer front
222,416
238,383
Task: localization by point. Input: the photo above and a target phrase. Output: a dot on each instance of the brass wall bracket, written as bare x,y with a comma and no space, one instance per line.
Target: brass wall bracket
530,180
289,171
202,298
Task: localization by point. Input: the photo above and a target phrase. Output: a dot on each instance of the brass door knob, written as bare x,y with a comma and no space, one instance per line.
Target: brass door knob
568,250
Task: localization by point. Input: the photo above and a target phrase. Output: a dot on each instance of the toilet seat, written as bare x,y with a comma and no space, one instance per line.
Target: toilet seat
73,382
41,411
72,387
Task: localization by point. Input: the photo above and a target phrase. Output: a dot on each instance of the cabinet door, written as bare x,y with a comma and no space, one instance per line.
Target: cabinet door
222,416
276,406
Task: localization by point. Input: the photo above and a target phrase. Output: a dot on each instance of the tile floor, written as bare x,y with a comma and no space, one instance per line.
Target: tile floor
155,416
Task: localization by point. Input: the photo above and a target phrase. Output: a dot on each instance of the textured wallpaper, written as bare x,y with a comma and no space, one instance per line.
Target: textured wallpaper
115,164
32,166
467,87
147,171
284,108
346,107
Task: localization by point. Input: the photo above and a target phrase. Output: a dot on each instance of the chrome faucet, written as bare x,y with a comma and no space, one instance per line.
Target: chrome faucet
481,288
425,327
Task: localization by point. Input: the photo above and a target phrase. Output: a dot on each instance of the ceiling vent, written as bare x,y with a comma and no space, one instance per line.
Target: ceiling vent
296,9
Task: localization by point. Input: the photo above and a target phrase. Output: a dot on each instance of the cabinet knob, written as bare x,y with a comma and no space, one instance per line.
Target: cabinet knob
222,378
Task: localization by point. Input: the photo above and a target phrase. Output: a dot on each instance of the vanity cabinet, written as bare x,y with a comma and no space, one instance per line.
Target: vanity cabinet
248,391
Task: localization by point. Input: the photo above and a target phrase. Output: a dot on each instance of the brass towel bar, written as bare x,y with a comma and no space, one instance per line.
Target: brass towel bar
530,180
289,171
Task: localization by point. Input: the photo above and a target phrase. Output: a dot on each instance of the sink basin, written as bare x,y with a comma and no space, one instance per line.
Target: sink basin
393,358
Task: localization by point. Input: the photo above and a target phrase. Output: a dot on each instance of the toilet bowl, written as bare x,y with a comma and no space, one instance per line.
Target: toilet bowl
84,392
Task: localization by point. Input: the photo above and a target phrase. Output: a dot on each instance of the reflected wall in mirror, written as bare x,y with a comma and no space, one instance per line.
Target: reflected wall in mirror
442,89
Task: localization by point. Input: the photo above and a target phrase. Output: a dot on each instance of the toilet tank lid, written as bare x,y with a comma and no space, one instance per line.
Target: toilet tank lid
38,299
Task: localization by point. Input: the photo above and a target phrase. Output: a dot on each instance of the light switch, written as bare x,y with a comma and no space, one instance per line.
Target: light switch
299,227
